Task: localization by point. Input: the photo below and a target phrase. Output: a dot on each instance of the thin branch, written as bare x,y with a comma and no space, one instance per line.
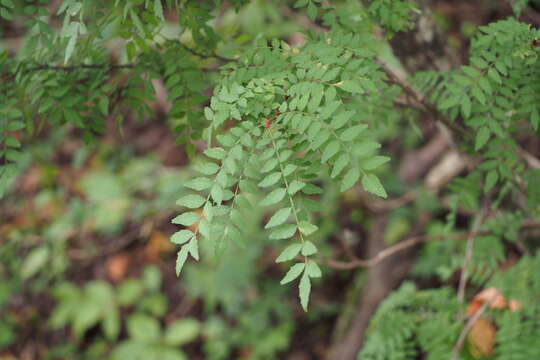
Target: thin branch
478,219
473,319
389,251
196,53
420,99
531,160
81,66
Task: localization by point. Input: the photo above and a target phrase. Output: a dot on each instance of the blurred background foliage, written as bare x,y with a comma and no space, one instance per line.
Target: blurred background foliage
86,266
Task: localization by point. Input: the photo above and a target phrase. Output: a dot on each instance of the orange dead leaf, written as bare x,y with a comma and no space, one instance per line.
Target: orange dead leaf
117,266
482,338
157,244
486,295
514,305
195,226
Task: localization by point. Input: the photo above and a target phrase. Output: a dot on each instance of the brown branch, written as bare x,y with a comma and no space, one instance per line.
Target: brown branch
461,340
468,253
420,99
389,251
81,66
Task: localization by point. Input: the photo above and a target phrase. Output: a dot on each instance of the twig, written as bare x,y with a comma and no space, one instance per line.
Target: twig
473,319
468,253
81,66
420,99
531,160
389,251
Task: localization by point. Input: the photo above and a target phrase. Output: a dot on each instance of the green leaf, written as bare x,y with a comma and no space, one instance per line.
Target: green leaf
330,150
192,201
374,162
293,273
466,106
351,86
34,262
206,168
284,231
199,184
308,248
143,328
313,270
186,219
274,197
215,153
312,189
491,180
341,119
182,332
340,164
217,193
289,253
371,183
158,9
295,186
279,218
104,105
312,11
193,248
270,180
182,236
350,178
15,125
304,288
307,228
352,133
482,137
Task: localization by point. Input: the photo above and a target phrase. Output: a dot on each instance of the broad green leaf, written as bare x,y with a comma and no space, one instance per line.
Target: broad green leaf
182,332
186,219
270,180
374,162
491,180
308,248
284,231
279,218
466,106
482,137
193,248
215,153
340,164
217,193
295,186
307,228
206,168
341,119
330,150
289,253
350,178
192,201
199,184
352,133
304,288
143,327
104,105
293,273
274,197
351,86
182,236
312,189
371,183
313,270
